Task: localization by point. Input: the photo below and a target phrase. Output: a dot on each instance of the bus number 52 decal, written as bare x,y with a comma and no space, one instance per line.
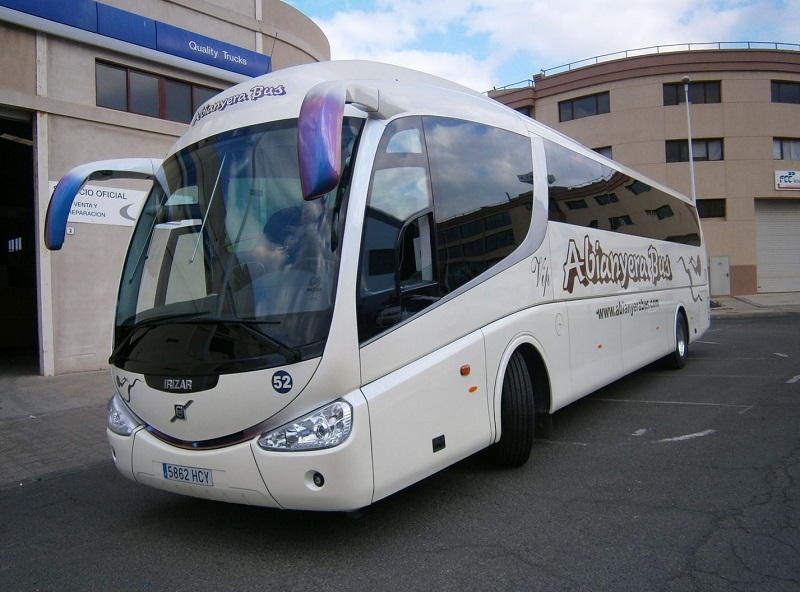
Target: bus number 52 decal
282,381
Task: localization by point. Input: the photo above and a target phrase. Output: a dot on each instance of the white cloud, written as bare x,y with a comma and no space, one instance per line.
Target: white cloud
391,34
477,41
595,27
460,68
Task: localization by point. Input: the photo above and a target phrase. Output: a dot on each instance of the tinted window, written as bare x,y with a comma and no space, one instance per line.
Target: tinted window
584,107
785,92
143,92
448,200
118,87
483,190
678,150
711,208
178,104
112,85
396,244
201,95
699,92
614,201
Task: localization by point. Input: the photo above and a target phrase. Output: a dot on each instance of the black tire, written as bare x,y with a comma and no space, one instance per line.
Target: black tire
517,416
677,359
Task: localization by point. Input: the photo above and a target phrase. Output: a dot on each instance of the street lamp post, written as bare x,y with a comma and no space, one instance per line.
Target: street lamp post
685,81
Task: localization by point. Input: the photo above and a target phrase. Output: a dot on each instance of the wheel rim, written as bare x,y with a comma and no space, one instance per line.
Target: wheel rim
681,338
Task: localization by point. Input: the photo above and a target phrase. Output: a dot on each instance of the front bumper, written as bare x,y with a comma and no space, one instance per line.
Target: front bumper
246,474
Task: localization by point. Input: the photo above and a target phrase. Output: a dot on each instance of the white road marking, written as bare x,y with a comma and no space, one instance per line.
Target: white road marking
781,355
793,379
674,403
688,436
641,432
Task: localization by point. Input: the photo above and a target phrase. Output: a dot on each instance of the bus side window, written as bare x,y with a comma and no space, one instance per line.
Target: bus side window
397,246
482,179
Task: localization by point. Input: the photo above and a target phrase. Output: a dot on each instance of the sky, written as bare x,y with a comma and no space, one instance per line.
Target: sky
485,44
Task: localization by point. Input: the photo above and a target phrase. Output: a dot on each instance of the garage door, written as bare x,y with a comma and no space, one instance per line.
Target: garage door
778,245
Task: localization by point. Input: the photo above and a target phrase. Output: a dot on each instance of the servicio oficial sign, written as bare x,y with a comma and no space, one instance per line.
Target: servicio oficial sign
105,205
787,180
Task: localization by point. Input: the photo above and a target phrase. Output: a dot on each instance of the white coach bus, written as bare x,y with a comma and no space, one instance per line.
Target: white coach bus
348,276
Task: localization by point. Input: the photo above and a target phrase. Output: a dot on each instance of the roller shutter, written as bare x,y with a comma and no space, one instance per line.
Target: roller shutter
778,245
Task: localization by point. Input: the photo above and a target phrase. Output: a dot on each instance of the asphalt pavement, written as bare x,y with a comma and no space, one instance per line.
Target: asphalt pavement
51,425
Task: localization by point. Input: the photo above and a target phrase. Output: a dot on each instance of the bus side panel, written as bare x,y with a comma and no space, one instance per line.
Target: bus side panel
428,414
622,294
647,328
594,346
699,310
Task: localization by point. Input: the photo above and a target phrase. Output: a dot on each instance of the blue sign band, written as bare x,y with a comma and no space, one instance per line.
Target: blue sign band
135,29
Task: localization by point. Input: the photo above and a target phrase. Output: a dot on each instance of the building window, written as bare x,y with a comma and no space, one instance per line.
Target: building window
618,221
786,149
711,208
662,213
584,107
577,204
606,198
143,94
785,92
708,149
148,94
604,151
699,92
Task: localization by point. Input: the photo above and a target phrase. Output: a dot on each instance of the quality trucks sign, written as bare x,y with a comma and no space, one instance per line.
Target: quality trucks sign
105,205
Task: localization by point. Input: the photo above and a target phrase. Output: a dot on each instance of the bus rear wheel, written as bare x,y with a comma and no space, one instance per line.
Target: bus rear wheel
677,359
516,415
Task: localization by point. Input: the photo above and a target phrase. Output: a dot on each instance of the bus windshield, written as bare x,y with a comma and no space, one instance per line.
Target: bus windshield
229,268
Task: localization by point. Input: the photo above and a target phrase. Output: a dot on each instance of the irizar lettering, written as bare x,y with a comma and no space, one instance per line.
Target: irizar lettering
177,384
593,265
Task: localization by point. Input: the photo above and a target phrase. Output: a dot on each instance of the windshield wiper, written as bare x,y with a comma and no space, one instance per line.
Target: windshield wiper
289,353
208,208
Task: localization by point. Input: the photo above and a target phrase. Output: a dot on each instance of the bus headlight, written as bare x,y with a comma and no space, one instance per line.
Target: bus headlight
326,427
121,420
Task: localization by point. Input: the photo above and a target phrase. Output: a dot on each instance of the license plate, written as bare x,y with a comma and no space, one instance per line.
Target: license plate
191,475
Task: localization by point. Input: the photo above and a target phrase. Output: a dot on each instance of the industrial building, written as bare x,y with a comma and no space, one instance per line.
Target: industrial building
82,81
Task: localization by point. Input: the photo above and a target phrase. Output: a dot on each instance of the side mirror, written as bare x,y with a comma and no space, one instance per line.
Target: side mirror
319,133
55,224
319,139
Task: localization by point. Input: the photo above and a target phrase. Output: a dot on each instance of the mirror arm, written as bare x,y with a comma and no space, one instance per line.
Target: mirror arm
55,225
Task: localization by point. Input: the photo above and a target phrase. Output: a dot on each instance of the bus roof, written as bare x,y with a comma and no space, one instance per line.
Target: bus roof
279,95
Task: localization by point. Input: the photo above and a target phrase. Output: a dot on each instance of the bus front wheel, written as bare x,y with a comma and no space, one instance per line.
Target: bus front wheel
516,415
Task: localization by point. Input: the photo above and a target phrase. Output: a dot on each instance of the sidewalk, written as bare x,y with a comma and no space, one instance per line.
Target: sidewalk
51,425
56,424
758,304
